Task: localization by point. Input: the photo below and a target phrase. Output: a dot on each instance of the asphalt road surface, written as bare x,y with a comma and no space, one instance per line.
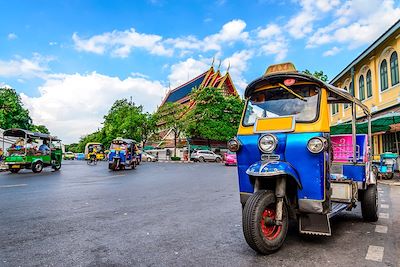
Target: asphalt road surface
166,214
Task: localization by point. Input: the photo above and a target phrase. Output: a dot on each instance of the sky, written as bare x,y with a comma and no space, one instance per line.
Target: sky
70,60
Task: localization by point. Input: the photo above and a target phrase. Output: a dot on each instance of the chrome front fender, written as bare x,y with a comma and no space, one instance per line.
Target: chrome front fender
273,168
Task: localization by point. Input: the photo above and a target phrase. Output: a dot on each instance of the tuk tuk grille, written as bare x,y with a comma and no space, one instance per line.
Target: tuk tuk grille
270,157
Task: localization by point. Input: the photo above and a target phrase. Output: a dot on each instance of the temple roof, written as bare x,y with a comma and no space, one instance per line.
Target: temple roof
185,89
210,78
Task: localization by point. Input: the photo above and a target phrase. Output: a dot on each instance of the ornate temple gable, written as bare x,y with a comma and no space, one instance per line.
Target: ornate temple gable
227,85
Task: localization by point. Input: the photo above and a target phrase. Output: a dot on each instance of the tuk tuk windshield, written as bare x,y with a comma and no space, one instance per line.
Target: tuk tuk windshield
300,101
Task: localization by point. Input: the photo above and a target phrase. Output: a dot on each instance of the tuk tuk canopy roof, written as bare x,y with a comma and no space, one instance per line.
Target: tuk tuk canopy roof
378,124
336,95
124,140
16,132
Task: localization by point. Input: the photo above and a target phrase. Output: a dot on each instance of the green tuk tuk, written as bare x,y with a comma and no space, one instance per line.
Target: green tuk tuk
32,150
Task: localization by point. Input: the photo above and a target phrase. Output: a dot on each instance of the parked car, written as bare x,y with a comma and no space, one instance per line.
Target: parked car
69,156
148,157
205,155
80,156
230,159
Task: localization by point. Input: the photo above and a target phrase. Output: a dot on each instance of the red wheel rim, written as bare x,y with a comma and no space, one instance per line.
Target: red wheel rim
270,232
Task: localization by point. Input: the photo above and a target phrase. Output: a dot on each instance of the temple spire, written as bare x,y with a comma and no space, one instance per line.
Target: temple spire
229,66
212,63
219,65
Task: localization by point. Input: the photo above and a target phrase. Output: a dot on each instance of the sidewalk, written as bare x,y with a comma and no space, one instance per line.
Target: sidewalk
394,181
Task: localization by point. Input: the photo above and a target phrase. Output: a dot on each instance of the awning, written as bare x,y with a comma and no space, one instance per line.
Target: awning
378,124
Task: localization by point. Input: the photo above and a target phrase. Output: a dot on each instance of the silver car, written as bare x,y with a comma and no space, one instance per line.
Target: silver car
205,155
148,157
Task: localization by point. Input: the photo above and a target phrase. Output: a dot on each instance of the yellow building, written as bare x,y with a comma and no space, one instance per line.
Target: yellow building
373,77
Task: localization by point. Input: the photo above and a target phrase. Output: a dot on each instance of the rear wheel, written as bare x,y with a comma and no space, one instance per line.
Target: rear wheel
57,166
259,228
37,167
14,170
201,159
369,204
148,159
217,160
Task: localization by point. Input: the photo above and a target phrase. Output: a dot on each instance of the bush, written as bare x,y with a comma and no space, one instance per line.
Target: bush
175,158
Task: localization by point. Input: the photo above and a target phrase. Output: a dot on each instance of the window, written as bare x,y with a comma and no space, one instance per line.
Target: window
384,75
351,89
346,105
334,108
301,101
361,89
394,68
369,84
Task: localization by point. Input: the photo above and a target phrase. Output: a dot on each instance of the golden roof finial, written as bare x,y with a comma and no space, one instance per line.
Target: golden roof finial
229,66
219,65
212,63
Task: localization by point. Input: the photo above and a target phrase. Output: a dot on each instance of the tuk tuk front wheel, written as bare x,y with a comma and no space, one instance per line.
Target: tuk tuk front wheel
37,167
369,204
259,228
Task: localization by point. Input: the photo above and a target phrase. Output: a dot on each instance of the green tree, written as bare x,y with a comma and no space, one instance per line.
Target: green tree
317,74
215,116
148,127
124,120
169,116
12,112
39,128
72,147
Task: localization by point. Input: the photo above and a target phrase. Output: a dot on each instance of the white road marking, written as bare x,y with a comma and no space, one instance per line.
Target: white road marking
375,253
12,185
383,201
384,206
381,229
384,215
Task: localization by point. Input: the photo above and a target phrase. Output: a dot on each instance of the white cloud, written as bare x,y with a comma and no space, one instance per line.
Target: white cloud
72,105
302,23
272,41
269,31
357,23
5,85
23,67
331,52
183,71
121,43
12,36
238,65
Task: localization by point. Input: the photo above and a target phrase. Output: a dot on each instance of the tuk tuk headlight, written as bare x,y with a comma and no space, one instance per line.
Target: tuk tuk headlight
316,144
267,143
233,145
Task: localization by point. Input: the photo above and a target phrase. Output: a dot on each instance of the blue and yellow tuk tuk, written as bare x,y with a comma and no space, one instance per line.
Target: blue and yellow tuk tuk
289,165
123,154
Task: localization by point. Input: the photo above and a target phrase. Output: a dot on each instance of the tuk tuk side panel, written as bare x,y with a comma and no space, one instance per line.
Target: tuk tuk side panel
310,167
356,173
247,155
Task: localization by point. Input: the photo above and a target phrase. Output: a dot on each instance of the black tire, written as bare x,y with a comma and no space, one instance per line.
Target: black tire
218,160
14,170
57,166
369,204
201,159
37,167
262,238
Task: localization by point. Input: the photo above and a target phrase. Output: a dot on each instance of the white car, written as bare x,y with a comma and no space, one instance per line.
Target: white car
148,157
205,155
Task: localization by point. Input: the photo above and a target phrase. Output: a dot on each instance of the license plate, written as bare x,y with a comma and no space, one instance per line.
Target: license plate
16,166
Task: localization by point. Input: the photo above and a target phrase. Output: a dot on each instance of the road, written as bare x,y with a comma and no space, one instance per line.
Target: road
166,214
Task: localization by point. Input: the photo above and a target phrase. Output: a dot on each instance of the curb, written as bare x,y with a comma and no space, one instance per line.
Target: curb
389,183
174,161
